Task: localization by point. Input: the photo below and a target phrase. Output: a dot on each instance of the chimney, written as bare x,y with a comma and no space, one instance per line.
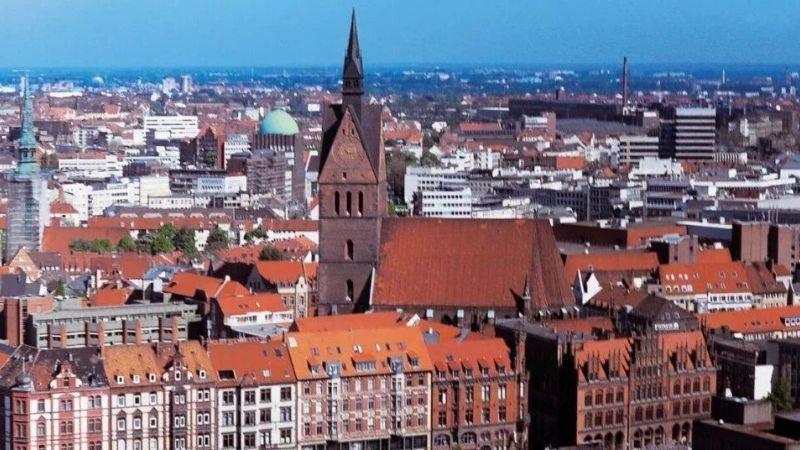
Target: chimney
624,81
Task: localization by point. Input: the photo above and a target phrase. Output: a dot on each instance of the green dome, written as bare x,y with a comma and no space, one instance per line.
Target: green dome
278,122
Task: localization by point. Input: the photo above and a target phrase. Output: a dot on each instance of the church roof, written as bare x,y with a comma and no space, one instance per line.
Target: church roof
469,263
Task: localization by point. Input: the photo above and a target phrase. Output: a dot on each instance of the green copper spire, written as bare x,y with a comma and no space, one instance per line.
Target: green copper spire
27,163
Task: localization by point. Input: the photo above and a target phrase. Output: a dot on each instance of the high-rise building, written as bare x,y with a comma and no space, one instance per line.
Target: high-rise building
29,208
352,190
690,133
186,84
279,134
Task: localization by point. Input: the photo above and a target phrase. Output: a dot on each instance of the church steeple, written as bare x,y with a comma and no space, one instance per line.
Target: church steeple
353,71
27,163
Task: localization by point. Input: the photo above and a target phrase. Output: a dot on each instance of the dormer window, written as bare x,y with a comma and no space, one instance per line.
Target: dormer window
177,376
202,374
136,379
485,371
151,377
120,379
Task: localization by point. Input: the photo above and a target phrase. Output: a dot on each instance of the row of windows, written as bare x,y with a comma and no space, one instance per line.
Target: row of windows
348,210
252,440
469,416
358,425
486,393
249,396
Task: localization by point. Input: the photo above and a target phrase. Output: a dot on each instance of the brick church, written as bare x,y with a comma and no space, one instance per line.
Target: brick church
461,271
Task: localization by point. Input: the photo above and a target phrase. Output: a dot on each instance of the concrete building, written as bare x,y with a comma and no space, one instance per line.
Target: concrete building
171,127
114,325
279,133
444,203
633,148
690,133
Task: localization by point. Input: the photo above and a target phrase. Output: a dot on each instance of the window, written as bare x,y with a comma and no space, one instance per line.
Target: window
501,392
486,393
228,440
286,394
469,391
442,418
249,440
137,423
348,250
250,397
228,398
40,406
484,415
587,399
501,413
620,396
360,203
468,417
40,429
153,421
349,204
249,418
336,202
349,287
266,395
286,435
286,413
265,415
120,424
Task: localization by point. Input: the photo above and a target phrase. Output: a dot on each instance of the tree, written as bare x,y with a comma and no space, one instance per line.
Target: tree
95,245
126,244
61,289
781,395
270,253
168,230
217,240
160,243
396,164
252,235
428,159
183,240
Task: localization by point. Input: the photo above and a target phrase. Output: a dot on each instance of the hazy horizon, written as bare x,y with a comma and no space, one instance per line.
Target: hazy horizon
130,34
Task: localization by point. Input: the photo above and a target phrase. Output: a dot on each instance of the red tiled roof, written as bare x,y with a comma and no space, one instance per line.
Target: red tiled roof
317,348
751,321
58,239
233,305
700,278
623,260
475,354
479,126
110,297
188,284
251,362
469,263
714,255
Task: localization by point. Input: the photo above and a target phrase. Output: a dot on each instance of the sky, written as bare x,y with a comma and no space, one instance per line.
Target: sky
289,33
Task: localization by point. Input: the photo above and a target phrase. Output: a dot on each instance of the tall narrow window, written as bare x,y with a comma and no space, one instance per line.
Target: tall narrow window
349,250
336,202
349,204
350,290
360,203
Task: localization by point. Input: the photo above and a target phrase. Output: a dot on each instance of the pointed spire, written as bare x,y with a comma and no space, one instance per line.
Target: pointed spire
353,56
353,71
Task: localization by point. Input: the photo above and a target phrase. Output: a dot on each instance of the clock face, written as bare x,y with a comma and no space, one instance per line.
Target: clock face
348,151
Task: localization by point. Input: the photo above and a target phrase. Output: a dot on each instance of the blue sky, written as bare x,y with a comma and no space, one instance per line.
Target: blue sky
131,33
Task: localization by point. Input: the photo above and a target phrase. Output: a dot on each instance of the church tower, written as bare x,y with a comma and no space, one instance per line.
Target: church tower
352,191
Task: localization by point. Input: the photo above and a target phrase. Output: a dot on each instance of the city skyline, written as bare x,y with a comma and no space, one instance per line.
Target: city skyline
250,34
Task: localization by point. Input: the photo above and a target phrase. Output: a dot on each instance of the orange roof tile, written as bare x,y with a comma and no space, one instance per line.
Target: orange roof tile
312,351
469,263
753,321
617,261
700,278
201,287
251,362
472,354
233,305
58,239
714,255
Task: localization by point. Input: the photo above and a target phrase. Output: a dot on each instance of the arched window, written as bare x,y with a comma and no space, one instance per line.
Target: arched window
350,290
349,204
706,384
336,202
348,251
587,399
360,203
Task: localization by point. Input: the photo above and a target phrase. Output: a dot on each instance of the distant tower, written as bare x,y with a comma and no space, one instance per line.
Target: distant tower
723,79
352,192
29,208
186,84
624,81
